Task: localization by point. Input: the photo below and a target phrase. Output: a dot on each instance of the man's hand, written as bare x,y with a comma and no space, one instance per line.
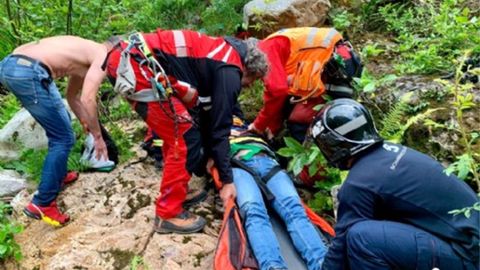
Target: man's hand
267,133
228,191
100,149
210,164
252,128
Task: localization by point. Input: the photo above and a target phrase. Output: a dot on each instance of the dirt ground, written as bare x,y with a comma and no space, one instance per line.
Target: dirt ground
111,223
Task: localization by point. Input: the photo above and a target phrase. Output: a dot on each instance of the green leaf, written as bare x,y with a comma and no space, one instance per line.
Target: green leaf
455,212
3,250
313,169
370,87
18,255
286,152
3,234
17,229
463,166
292,163
293,144
300,162
389,78
431,123
318,107
468,213
313,155
450,169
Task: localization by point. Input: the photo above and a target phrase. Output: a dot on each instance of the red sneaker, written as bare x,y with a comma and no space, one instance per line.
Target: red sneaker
49,214
70,177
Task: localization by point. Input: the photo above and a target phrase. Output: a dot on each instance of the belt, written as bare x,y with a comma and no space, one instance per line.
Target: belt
34,61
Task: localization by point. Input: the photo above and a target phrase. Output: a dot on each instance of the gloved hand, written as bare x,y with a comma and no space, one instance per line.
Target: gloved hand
184,91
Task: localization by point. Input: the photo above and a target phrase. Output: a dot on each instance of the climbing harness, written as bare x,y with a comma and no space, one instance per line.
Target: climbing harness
161,86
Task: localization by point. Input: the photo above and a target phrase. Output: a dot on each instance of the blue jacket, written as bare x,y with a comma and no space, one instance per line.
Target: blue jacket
396,183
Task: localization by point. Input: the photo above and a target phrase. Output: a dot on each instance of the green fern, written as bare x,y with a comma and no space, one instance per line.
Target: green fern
393,121
394,125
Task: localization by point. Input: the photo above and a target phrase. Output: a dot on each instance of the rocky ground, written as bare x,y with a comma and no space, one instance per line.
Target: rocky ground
111,223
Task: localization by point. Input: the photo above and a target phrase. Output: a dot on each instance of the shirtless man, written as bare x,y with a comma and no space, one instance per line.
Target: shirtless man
29,73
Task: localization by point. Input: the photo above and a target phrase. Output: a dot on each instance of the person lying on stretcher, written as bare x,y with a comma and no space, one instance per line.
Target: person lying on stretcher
256,171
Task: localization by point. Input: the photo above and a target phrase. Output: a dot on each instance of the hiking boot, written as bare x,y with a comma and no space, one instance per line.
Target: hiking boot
183,223
49,214
194,196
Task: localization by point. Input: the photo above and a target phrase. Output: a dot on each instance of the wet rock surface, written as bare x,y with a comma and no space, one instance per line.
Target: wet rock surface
11,183
275,15
426,93
111,222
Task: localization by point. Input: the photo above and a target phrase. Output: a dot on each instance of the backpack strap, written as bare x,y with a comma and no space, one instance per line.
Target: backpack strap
260,182
138,41
271,173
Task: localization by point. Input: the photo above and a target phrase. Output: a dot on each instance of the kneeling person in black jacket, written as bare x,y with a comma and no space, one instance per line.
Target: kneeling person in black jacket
395,203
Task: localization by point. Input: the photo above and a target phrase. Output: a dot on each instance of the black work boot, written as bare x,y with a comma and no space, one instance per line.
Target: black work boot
183,223
194,196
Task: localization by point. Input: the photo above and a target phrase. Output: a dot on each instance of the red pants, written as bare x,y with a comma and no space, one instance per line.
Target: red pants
173,188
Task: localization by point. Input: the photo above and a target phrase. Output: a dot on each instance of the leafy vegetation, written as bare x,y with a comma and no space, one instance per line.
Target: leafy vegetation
465,163
394,126
10,106
467,211
367,83
28,163
8,229
431,48
309,156
138,263
424,37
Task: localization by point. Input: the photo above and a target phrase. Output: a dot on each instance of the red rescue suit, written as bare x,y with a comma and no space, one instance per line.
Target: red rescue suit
211,65
286,51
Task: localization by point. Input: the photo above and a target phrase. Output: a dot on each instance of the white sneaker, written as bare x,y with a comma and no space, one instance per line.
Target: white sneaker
89,157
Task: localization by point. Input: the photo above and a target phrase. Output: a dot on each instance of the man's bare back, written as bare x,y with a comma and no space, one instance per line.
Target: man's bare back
65,55
81,61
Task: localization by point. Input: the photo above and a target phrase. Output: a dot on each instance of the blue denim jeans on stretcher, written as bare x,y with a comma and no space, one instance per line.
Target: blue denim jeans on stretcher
287,204
33,86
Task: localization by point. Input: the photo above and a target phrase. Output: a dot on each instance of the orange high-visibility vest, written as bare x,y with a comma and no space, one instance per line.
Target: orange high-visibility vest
310,50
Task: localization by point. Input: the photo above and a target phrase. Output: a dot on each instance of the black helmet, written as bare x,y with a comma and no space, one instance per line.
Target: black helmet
342,129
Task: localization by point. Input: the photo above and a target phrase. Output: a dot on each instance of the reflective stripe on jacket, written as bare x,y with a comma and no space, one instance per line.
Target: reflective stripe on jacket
310,49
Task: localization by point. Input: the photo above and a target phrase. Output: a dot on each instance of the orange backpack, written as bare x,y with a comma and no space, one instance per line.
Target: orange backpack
310,49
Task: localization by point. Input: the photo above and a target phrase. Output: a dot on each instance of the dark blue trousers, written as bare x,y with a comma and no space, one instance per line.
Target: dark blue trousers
391,245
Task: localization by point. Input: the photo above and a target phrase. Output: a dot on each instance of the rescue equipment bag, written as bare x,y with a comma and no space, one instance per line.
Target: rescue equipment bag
233,250
162,85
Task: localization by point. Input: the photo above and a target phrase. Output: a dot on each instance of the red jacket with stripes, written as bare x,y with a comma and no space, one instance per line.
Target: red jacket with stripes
212,65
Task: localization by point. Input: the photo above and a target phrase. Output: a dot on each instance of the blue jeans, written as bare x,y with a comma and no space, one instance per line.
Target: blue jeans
33,86
287,204
380,244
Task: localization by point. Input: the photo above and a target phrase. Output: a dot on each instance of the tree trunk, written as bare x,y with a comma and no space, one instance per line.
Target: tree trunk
69,17
10,18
